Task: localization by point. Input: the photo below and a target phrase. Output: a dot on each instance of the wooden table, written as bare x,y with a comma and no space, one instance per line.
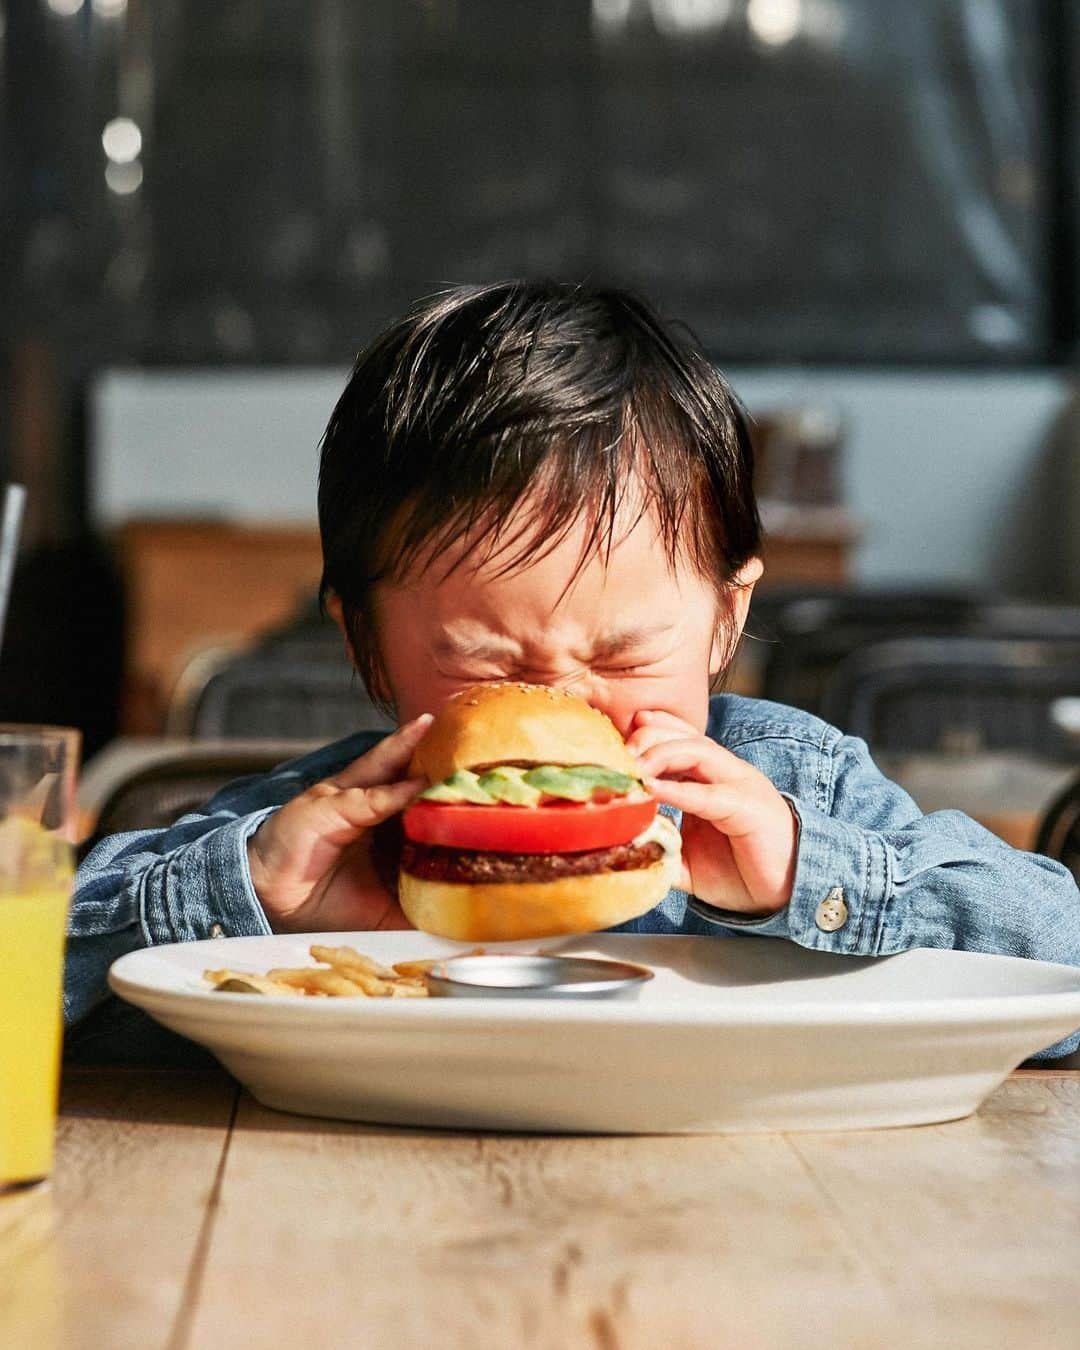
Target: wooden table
183,1215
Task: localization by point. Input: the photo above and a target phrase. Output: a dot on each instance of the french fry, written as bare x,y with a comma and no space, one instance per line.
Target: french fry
355,966
244,982
413,969
317,980
347,959
408,989
343,973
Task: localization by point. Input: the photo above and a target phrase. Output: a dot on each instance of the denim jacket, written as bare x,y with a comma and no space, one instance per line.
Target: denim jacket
874,875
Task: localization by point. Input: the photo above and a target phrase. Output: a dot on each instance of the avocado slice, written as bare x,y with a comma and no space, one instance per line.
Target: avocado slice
554,781
619,784
506,783
515,786
461,786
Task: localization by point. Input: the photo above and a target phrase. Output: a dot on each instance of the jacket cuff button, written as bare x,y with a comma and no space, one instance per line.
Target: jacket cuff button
832,913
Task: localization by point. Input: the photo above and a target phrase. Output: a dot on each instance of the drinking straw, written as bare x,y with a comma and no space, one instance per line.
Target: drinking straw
10,525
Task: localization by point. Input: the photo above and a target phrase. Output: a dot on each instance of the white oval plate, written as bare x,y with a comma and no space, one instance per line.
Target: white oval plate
735,1034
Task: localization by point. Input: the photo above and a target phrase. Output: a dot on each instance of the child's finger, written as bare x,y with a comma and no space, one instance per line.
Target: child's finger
717,805
386,761
704,759
365,807
659,717
644,738
343,815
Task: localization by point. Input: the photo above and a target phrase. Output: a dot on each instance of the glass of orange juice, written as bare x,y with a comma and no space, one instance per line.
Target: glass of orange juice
38,768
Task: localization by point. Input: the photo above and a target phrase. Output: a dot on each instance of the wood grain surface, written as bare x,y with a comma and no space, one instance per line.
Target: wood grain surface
104,1251
172,1223
947,1235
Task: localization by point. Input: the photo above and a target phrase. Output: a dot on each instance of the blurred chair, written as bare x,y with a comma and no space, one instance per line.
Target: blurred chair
309,631
155,795
963,695
803,635
809,636
192,680
1059,832
268,694
295,683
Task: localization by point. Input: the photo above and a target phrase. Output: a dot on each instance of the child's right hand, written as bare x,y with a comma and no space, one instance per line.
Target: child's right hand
311,862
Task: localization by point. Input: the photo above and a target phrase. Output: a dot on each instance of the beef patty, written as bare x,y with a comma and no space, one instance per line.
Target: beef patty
432,862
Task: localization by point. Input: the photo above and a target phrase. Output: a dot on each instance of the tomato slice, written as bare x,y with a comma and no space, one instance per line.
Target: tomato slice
562,827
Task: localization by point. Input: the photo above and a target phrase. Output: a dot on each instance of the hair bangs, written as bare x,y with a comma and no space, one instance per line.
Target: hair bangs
536,494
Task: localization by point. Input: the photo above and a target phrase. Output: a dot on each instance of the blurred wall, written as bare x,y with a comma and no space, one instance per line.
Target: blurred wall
240,444
952,476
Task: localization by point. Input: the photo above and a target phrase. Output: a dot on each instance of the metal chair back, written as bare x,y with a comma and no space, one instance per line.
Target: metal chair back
808,638
961,695
1059,831
269,694
156,795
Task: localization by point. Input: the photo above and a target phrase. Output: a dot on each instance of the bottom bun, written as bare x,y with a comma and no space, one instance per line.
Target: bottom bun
504,912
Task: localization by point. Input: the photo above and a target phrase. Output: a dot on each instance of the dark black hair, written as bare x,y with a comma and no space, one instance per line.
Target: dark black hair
484,395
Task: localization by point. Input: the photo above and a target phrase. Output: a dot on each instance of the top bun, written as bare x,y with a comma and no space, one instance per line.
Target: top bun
509,723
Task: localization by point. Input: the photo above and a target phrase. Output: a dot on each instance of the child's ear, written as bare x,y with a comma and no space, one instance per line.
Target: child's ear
336,610
728,634
743,583
337,613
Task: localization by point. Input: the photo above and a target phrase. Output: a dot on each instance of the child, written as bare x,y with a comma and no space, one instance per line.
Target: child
541,482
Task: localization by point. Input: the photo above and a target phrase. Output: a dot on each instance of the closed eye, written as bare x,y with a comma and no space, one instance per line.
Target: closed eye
630,668
487,675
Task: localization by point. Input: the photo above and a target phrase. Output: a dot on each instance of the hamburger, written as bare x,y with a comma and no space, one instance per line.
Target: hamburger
535,823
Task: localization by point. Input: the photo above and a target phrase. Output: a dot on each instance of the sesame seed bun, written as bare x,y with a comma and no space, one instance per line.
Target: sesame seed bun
511,723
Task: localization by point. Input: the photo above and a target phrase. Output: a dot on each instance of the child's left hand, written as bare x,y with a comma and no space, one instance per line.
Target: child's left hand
739,835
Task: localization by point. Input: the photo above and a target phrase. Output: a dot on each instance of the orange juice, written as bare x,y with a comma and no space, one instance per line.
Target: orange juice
37,815
32,924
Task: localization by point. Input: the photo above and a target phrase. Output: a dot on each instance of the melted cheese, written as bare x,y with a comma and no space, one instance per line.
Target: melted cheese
663,831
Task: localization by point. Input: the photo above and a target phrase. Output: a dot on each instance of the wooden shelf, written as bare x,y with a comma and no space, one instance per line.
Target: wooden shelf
192,583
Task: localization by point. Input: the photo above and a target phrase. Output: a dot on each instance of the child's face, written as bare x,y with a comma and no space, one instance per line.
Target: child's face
628,635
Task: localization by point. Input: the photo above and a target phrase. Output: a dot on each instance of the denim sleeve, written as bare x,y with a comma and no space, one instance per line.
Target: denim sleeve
184,883
893,879
175,885
180,884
